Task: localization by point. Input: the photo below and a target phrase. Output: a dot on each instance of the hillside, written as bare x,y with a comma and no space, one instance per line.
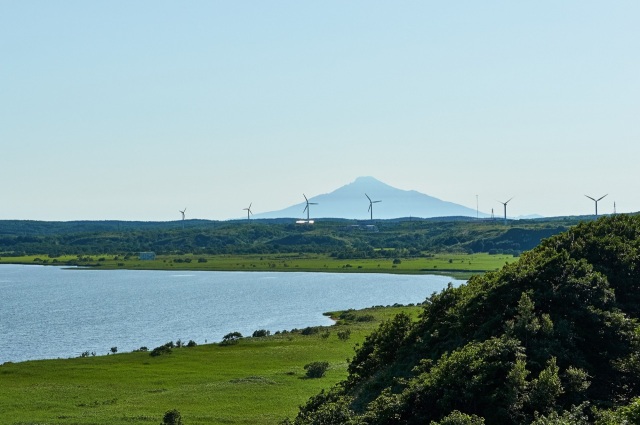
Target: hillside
552,338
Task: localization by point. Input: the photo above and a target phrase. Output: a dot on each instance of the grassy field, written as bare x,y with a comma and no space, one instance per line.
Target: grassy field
459,264
256,381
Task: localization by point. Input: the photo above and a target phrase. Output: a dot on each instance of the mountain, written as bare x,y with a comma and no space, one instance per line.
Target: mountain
350,202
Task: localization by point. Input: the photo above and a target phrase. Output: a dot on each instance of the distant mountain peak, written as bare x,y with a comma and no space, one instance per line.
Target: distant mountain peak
350,202
366,179
369,182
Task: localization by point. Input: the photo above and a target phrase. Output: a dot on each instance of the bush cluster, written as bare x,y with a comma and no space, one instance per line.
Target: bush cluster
551,339
316,369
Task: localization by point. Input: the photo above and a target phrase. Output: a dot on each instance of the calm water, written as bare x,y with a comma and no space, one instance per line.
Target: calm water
49,312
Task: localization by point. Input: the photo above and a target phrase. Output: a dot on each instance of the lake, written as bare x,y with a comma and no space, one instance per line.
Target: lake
52,312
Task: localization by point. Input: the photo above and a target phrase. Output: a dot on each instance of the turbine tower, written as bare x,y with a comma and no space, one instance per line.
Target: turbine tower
505,209
306,208
596,201
371,205
182,212
248,210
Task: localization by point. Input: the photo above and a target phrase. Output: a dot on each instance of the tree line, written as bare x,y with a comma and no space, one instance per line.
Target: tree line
342,239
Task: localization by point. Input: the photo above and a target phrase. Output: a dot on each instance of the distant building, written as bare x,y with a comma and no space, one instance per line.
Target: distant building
147,256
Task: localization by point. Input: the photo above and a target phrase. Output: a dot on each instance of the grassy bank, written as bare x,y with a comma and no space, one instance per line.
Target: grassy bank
256,381
436,263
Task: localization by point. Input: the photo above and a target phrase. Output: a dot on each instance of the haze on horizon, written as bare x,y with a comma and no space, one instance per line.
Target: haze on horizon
136,110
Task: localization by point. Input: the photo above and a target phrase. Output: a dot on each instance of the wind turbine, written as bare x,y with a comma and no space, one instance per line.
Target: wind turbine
306,208
505,209
596,201
182,212
371,205
248,210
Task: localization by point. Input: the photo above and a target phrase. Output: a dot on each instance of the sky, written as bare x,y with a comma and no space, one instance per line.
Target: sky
120,110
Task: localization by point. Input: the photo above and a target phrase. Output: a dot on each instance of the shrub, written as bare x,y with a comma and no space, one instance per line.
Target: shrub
311,330
191,343
158,351
316,369
114,350
172,417
344,335
366,317
260,333
231,338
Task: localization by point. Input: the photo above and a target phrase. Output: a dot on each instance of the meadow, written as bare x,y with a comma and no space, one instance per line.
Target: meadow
454,264
256,381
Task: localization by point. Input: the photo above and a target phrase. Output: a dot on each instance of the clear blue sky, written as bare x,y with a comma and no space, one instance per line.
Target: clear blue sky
133,110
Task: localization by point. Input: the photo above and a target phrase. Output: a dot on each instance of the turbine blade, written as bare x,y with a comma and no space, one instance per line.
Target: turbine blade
367,197
593,199
602,197
369,208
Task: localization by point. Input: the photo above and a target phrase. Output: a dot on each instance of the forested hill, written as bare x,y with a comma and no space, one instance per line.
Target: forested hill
342,238
553,338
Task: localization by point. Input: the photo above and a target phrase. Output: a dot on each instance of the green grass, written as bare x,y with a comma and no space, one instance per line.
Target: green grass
257,381
463,264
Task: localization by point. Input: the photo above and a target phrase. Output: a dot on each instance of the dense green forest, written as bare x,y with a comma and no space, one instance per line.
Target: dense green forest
340,238
553,338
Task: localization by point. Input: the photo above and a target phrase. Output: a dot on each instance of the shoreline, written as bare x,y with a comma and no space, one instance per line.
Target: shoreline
452,273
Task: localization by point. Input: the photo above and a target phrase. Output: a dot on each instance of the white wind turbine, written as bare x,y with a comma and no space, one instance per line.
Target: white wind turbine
371,205
596,201
505,209
248,210
306,208
182,212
